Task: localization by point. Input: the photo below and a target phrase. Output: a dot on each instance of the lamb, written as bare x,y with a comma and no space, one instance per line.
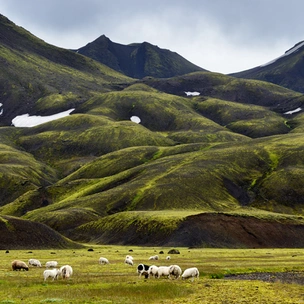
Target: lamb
143,269
153,271
190,273
103,261
51,264
129,261
66,271
51,273
175,271
34,262
153,257
163,271
19,265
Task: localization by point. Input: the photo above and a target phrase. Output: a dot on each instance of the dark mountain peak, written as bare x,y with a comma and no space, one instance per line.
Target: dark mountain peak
138,60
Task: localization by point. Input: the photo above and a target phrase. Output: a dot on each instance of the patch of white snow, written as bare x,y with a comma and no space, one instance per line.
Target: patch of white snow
192,93
294,111
28,121
135,119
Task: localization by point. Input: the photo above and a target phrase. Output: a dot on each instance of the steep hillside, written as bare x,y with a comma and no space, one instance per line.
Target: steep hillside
32,70
138,60
286,71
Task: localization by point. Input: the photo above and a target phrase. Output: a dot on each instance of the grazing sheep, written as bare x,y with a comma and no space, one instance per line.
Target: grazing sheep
153,271
51,264
66,271
103,261
163,271
129,261
143,269
34,262
51,273
190,273
168,258
175,271
153,257
19,265
129,257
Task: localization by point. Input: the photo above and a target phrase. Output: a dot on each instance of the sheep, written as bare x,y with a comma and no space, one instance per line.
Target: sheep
143,269
190,273
103,261
153,257
129,257
66,271
163,271
175,271
19,265
51,273
51,264
34,262
168,258
129,261
153,271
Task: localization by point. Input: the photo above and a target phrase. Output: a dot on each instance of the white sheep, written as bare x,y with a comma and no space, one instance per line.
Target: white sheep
51,264
129,261
153,271
51,273
66,271
34,262
103,261
153,257
190,273
129,257
168,258
163,271
175,271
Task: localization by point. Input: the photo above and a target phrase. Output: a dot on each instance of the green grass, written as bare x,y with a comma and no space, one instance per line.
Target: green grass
119,283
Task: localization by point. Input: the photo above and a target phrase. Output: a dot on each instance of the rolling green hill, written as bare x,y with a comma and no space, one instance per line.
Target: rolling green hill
227,162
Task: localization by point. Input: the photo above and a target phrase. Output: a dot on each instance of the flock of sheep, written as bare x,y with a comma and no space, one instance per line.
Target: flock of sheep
64,271
171,272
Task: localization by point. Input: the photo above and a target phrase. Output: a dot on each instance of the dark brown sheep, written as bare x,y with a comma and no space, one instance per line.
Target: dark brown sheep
19,265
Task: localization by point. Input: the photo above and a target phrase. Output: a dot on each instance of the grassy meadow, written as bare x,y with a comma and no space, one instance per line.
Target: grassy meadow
119,283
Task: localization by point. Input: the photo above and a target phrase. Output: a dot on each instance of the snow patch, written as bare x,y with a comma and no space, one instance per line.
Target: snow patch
135,119
292,50
192,93
28,121
294,111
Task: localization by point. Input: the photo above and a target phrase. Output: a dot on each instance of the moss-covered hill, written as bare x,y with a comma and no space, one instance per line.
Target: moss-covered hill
138,60
230,156
286,70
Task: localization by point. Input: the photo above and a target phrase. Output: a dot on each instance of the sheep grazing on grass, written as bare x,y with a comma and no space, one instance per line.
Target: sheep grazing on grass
51,264
153,271
168,258
153,257
163,271
66,271
19,265
129,257
190,273
51,273
129,261
143,269
175,271
103,261
34,262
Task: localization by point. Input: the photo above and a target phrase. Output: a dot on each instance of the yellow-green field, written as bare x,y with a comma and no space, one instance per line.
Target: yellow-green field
119,283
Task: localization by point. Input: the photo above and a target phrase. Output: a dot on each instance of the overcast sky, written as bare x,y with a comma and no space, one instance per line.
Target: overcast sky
218,35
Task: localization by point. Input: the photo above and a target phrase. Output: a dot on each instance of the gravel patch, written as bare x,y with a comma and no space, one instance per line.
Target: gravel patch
283,277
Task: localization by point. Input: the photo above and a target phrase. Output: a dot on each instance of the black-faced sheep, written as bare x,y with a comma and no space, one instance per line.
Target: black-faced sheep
143,269
34,262
175,271
190,273
51,273
19,265
66,271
